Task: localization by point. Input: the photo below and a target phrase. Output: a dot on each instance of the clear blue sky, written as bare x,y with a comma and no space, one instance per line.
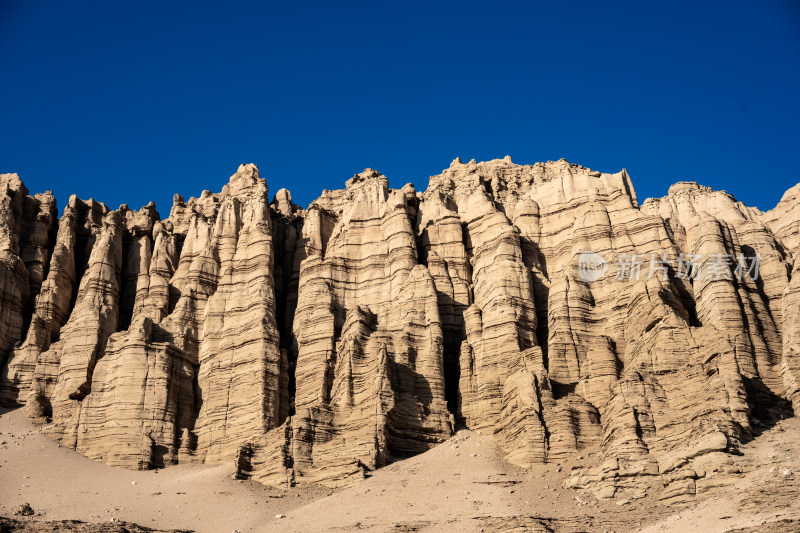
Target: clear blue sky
133,101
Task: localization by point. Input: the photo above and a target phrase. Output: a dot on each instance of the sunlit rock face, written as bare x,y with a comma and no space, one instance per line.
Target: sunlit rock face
542,304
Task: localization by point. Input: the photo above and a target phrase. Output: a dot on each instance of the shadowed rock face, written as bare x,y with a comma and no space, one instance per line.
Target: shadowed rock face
319,344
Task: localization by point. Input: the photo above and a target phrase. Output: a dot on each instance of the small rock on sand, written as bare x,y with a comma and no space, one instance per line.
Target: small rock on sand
24,510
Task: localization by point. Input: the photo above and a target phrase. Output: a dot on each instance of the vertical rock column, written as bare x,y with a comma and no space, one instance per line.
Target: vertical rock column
240,375
25,227
53,307
93,319
369,376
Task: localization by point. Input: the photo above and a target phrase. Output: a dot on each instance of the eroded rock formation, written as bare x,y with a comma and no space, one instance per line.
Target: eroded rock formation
316,345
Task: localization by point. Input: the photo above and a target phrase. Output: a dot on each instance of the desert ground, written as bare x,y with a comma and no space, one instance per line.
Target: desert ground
462,485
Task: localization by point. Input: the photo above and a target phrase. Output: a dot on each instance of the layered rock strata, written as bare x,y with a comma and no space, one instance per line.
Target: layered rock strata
541,303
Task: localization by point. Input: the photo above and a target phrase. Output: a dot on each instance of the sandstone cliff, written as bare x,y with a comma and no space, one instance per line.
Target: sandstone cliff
320,344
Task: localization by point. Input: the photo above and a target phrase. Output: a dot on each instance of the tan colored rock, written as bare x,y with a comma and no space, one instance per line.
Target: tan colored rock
25,225
240,366
83,338
541,304
784,222
369,376
142,399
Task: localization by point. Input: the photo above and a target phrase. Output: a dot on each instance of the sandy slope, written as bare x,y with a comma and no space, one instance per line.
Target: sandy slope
61,484
463,485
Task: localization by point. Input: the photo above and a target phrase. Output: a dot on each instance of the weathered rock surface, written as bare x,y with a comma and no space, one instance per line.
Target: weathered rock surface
25,227
319,344
368,362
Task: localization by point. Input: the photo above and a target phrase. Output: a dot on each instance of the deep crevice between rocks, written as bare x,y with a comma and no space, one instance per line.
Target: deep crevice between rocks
127,285
84,242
